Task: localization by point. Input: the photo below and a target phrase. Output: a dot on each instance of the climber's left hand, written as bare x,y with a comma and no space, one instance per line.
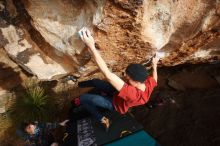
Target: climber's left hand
155,61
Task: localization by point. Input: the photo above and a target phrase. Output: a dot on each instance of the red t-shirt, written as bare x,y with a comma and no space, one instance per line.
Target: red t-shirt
130,96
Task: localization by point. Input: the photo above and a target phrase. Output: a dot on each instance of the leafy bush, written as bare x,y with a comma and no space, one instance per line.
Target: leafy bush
34,105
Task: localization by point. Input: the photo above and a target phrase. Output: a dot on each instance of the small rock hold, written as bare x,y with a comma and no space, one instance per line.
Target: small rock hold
70,82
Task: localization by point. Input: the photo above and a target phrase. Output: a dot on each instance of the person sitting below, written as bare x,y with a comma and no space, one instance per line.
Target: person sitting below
38,134
120,95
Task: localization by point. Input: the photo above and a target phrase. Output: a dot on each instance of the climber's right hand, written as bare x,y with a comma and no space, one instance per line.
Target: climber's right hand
87,38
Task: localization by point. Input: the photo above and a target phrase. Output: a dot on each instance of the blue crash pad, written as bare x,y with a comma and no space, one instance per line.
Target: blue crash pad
140,138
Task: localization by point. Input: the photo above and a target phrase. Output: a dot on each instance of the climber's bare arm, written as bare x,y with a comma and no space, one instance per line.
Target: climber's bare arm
154,65
111,77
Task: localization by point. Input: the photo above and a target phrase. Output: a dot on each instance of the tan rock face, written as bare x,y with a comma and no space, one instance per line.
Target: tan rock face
11,76
28,55
59,21
187,30
125,31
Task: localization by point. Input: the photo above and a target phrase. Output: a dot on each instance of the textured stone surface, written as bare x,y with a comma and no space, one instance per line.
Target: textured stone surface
125,31
26,53
59,21
11,77
10,73
4,98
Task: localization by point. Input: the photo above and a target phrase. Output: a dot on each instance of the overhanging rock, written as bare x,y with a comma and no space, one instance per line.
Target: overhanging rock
26,53
46,43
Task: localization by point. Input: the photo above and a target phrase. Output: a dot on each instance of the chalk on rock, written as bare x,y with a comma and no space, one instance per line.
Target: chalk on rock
80,32
81,69
160,54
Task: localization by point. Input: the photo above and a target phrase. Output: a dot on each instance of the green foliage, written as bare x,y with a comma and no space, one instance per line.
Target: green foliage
34,105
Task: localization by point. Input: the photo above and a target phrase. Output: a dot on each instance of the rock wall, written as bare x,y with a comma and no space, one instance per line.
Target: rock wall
11,76
41,36
26,53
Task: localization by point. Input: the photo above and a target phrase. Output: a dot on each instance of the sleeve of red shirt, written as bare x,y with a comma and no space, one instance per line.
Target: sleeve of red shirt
150,84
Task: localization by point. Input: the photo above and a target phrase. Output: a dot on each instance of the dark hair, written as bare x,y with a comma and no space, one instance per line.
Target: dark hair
137,72
25,124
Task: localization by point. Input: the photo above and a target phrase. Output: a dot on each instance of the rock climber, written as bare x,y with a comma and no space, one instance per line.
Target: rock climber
119,95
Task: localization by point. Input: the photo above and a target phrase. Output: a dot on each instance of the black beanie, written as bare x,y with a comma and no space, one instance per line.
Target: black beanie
137,72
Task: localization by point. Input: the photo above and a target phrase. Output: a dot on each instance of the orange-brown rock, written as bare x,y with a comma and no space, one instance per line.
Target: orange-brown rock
125,31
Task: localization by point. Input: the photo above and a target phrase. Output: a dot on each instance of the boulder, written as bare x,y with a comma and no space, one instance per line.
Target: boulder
26,53
45,41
